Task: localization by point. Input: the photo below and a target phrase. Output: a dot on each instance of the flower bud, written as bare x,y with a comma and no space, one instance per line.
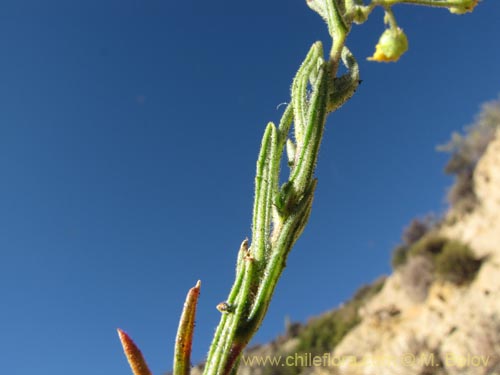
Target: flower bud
467,6
391,46
360,14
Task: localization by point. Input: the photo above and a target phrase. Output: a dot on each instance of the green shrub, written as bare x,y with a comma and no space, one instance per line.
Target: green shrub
456,263
322,334
399,256
430,246
366,292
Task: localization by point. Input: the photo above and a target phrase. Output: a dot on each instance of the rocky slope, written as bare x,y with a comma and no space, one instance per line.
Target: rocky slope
455,329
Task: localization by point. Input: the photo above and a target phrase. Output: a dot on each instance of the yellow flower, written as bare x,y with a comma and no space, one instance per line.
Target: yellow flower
391,46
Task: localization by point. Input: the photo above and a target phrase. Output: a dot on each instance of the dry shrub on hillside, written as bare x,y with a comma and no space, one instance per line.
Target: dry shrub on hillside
413,233
466,150
417,276
416,230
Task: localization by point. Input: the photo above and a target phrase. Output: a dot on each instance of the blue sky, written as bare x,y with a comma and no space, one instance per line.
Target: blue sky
128,137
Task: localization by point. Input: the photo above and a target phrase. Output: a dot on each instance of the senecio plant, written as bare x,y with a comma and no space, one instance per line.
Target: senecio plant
280,213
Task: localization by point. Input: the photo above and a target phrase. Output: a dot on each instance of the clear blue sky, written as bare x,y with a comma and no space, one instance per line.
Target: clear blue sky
128,136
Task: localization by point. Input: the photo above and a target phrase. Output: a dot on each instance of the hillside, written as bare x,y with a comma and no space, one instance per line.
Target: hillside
458,323
439,311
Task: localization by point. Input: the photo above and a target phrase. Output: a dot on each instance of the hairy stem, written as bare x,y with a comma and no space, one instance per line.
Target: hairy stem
281,213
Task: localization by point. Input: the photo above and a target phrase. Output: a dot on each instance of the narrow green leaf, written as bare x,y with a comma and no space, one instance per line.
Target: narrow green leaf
299,90
308,151
263,192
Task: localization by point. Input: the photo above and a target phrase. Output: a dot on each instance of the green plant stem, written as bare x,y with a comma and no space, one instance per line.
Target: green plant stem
389,16
280,214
